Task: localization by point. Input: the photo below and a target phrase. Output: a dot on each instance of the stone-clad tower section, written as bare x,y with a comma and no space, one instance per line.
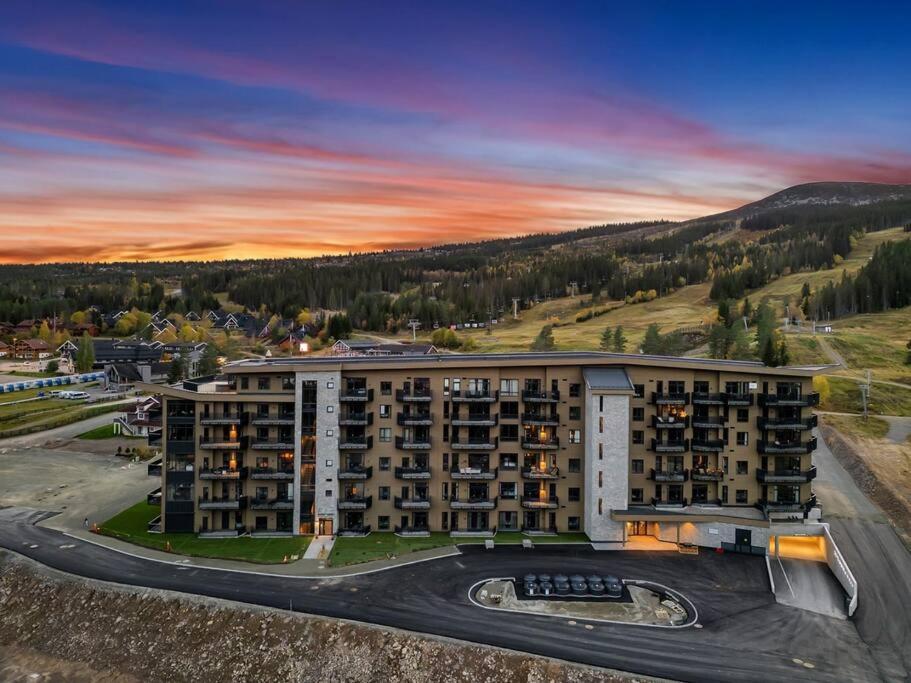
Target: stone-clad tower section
327,386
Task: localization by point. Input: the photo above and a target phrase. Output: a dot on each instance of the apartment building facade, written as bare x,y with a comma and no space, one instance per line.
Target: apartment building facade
612,445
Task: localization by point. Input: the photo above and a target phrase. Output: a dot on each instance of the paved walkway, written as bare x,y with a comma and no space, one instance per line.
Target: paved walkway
319,548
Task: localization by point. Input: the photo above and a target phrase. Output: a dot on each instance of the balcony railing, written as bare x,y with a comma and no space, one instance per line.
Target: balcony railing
541,396
412,503
226,419
799,400
413,444
412,473
354,419
706,474
223,473
414,396
272,473
540,419
670,446
355,473
473,503
738,398
475,396
708,422
222,503
795,424
541,444
669,475
537,473
786,506
220,445
273,445
414,420
707,399
355,503
664,503
361,530
476,420
707,445
282,503
272,420
475,445
356,444
154,497
356,395
668,398
412,531
786,447
473,473
786,476
535,503
670,422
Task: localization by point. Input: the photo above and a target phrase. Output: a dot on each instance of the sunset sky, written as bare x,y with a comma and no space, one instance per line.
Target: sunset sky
163,130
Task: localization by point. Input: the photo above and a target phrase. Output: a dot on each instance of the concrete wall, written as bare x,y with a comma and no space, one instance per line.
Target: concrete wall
840,568
606,464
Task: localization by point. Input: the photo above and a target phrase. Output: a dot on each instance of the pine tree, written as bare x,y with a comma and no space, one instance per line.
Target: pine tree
769,354
619,340
208,363
651,344
607,339
85,353
177,370
545,339
783,356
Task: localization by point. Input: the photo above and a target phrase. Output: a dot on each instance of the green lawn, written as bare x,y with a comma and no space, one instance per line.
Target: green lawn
884,399
102,432
872,427
131,525
382,545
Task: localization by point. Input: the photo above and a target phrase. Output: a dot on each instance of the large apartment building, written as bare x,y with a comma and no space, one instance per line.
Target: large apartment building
612,445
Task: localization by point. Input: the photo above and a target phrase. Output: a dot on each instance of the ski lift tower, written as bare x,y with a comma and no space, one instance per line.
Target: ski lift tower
414,324
515,308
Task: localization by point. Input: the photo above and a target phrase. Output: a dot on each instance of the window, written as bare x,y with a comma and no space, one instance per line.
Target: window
742,467
574,465
600,478
638,466
635,495
724,494
572,523
574,496
445,460
509,410
508,490
384,464
386,388
743,414
575,390
600,507
600,451
638,436
330,409
724,463
384,493
740,497
575,413
287,383
639,390
385,433
701,387
509,432
446,409
385,410
509,461
509,387
445,520
245,382
263,384
575,436
638,414
382,522
328,493
601,424
743,438
676,387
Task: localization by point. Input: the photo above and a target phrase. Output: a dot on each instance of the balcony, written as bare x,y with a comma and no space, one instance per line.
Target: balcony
473,503
153,469
220,445
669,398
355,419
706,399
541,396
738,398
414,420
283,503
270,445
473,474
798,400
226,419
272,420
475,396
355,503
476,421
708,422
786,506
355,473
707,445
411,473
540,419
669,476
271,473
706,475
413,444
790,424
222,503
361,530
535,503
154,497
415,396
412,531
664,503
670,422
670,446
786,476
412,503
538,473
356,395
541,444
223,473
356,444
786,447
480,532
475,445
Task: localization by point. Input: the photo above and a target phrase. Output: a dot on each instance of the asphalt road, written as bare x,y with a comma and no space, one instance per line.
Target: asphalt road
745,635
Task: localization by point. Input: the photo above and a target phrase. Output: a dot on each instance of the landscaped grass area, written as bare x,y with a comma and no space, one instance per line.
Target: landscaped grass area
382,545
102,432
131,525
872,427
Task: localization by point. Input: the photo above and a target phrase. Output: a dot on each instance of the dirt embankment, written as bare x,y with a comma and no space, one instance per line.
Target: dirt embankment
58,628
871,463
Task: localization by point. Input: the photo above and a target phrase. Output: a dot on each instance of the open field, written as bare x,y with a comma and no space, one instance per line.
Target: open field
131,525
851,425
884,399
